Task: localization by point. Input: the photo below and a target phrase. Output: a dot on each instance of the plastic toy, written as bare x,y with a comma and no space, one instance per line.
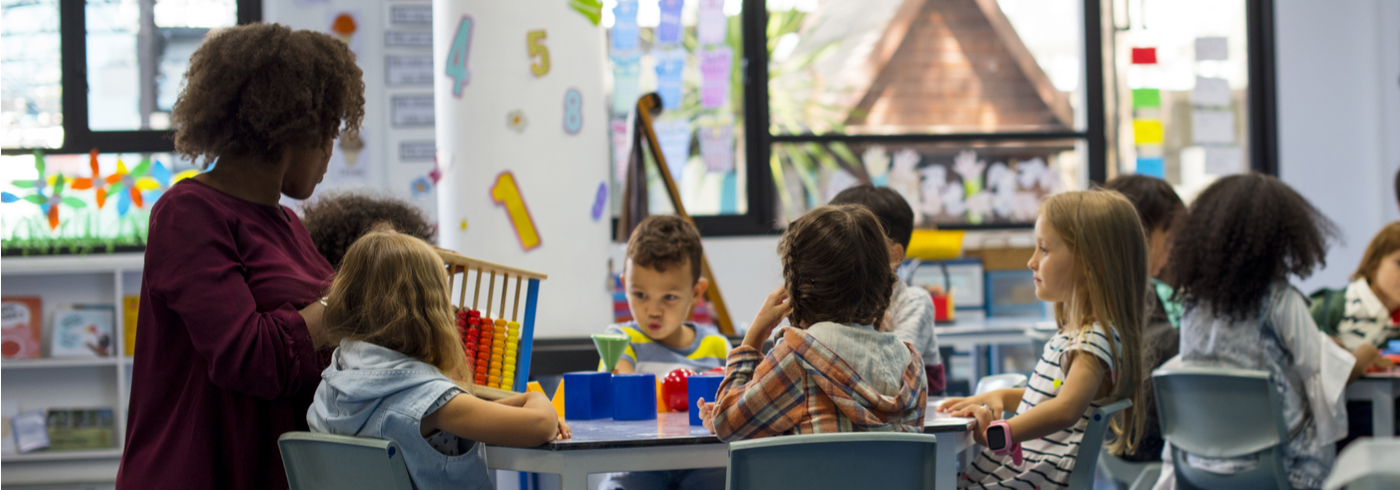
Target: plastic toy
634,396
590,395
674,390
497,350
701,386
610,348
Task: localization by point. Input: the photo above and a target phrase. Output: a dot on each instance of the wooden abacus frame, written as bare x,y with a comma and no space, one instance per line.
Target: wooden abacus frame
458,264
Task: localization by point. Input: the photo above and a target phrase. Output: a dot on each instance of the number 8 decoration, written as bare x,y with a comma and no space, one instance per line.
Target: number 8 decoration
573,111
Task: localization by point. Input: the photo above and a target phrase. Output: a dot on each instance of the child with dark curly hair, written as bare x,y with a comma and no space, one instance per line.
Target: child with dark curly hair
336,220
225,361
833,372
1241,241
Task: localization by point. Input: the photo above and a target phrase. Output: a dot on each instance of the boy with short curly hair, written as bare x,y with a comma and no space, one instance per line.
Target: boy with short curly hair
336,220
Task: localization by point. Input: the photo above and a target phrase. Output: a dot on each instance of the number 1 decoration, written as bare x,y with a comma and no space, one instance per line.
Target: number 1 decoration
457,56
505,193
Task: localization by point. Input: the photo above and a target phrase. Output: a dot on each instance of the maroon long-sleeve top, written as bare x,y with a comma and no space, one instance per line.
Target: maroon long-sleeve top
224,363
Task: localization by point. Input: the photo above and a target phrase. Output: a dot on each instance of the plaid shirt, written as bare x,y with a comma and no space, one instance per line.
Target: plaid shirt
802,387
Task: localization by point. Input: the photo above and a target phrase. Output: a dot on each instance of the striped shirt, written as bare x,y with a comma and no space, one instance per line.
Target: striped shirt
706,352
1048,460
1365,321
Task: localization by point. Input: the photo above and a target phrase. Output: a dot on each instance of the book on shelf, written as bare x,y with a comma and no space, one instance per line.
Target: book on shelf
80,429
30,431
21,327
83,331
131,308
8,409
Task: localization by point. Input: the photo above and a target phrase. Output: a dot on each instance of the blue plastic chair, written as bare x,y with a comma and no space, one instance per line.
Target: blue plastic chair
315,461
1366,464
835,461
1086,461
999,381
1221,413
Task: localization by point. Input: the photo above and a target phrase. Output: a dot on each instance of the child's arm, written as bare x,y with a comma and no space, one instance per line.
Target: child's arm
997,401
533,422
624,366
753,383
1080,388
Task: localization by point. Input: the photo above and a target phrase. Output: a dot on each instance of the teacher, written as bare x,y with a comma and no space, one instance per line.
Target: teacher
225,361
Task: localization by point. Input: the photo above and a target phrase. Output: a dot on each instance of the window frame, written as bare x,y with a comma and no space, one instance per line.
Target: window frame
78,137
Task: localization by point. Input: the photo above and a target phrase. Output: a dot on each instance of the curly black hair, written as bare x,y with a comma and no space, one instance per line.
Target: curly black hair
258,89
836,267
1242,234
336,221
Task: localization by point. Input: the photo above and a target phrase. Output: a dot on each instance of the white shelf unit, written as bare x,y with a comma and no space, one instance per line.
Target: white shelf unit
45,383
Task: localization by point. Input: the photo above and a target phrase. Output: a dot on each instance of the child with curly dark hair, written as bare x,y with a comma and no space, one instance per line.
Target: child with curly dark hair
1242,239
336,220
229,296
833,372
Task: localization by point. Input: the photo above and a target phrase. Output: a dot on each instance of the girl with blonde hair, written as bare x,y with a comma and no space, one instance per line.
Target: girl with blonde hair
1091,261
391,376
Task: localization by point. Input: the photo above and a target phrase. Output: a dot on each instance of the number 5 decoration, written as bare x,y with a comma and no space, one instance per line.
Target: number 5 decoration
535,41
505,193
457,56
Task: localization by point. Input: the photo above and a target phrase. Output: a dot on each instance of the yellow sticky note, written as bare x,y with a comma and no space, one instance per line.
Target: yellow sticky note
1147,131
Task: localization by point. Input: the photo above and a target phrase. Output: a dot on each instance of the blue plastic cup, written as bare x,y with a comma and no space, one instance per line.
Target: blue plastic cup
587,395
634,396
702,386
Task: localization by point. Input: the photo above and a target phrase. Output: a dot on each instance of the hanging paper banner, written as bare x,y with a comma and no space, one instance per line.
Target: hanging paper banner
674,137
1147,131
627,72
1147,98
1144,56
621,146
715,66
624,29
670,64
668,31
717,147
712,27
1151,167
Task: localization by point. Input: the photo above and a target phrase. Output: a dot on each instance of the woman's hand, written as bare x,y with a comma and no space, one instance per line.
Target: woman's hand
564,431
994,401
707,411
774,309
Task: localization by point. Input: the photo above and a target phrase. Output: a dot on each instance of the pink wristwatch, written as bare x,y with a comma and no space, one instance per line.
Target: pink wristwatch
1000,442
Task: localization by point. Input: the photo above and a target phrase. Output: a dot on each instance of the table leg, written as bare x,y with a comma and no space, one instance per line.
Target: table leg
978,368
946,464
1383,409
573,480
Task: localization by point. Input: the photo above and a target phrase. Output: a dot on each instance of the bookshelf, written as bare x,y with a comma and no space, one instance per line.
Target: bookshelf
70,382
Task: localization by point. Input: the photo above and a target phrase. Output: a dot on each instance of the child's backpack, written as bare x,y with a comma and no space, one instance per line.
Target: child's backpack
1327,308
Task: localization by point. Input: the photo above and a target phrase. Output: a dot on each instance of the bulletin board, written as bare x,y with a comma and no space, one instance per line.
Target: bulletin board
522,147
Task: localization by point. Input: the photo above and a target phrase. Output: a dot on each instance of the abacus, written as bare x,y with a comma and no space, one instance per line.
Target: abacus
497,349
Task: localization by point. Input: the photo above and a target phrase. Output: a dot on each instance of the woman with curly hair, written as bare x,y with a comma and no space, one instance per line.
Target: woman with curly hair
1240,242
225,362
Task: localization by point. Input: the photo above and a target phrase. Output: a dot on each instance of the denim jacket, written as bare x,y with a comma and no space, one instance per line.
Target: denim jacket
372,391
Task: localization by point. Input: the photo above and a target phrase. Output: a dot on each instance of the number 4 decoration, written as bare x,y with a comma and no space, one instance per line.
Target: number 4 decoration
457,56
505,193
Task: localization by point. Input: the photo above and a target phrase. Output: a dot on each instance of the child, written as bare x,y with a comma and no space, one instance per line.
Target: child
662,280
1372,312
1158,207
391,376
336,220
1091,261
1244,236
910,316
833,372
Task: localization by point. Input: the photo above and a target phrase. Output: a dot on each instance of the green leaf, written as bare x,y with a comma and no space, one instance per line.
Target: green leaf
74,202
23,184
115,189
36,199
142,168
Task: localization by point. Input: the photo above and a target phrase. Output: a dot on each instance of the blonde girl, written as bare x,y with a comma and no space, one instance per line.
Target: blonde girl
391,376
1091,261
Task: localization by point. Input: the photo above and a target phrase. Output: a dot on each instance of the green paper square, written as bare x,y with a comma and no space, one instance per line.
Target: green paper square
1144,98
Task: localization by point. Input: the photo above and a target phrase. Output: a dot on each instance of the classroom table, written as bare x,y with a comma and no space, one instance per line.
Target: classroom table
1380,389
973,331
671,443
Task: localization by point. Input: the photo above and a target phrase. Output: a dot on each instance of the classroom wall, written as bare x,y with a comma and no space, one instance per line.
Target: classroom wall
1339,117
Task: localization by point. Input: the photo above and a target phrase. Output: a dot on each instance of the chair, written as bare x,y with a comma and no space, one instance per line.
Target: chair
999,381
1366,464
1125,473
327,461
1221,413
844,460
1086,462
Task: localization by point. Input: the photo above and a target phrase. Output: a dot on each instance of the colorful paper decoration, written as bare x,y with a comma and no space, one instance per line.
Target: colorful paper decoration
1147,131
1212,126
621,147
624,30
573,111
420,187
506,193
670,64
1147,98
1212,48
1211,92
674,136
1144,56
590,9
600,201
715,67
711,26
534,41
457,56
669,30
1151,166
717,147
627,71
516,120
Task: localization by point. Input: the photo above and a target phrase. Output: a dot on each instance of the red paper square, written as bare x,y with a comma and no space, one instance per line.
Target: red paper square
1144,56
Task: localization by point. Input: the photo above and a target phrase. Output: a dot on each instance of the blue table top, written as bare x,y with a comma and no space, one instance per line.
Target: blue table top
674,429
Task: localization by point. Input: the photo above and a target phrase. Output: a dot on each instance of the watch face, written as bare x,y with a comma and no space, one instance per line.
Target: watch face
996,437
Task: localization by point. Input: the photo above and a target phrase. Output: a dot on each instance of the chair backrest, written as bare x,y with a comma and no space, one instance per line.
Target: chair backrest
845,460
317,461
999,381
1366,463
1221,413
1082,476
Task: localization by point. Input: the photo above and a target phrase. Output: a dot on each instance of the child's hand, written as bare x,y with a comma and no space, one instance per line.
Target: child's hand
965,407
774,309
707,410
564,431
984,419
